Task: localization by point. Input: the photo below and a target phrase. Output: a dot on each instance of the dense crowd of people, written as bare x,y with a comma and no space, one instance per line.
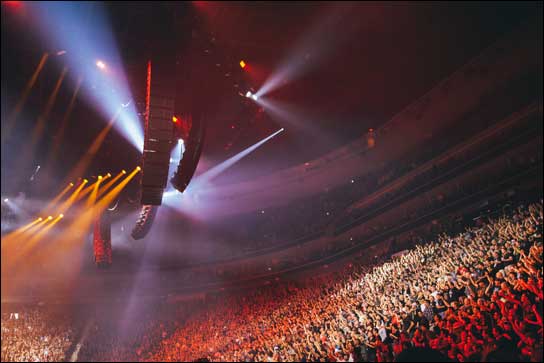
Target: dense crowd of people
471,297
475,296
35,335
379,229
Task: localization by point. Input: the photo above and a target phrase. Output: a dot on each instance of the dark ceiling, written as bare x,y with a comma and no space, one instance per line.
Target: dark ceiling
363,63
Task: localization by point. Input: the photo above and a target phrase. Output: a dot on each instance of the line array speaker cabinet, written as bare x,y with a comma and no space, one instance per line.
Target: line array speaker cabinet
159,130
102,240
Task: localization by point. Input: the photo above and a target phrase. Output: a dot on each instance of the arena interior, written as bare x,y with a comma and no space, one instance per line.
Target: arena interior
272,181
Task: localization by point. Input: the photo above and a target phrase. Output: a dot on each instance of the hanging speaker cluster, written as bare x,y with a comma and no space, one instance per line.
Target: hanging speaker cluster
193,149
145,221
159,131
102,240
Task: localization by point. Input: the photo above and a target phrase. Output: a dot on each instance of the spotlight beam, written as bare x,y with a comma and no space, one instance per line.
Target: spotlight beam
106,186
34,240
19,231
83,30
89,189
14,241
29,232
73,198
28,226
77,230
108,198
38,129
310,50
86,159
24,96
92,197
292,116
85,191
16,209
183,202
55,200
222,167
40,124
60,133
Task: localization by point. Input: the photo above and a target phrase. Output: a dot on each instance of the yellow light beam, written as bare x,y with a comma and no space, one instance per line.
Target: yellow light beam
40,124
20,230
55,200
77,230
24,96
24,228
44,230
92,197
60,133
61,194
38,129
29,232
106,186
68,203
86,159
28,245
23,236
86,191
108,198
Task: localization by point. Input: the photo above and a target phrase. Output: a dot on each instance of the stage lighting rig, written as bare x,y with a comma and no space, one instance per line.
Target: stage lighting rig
101,64
182,127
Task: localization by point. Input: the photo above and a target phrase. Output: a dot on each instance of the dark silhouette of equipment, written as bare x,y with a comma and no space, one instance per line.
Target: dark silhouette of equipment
102,240
145,221
193,149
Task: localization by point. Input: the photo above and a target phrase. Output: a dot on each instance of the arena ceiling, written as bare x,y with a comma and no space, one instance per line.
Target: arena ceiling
356,65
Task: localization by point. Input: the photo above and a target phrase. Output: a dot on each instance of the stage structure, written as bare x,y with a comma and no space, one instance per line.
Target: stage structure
159,131
158,141
178,105
162,131
102,240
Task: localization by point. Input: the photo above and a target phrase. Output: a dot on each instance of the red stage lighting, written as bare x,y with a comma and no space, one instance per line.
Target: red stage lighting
182,127
14,4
